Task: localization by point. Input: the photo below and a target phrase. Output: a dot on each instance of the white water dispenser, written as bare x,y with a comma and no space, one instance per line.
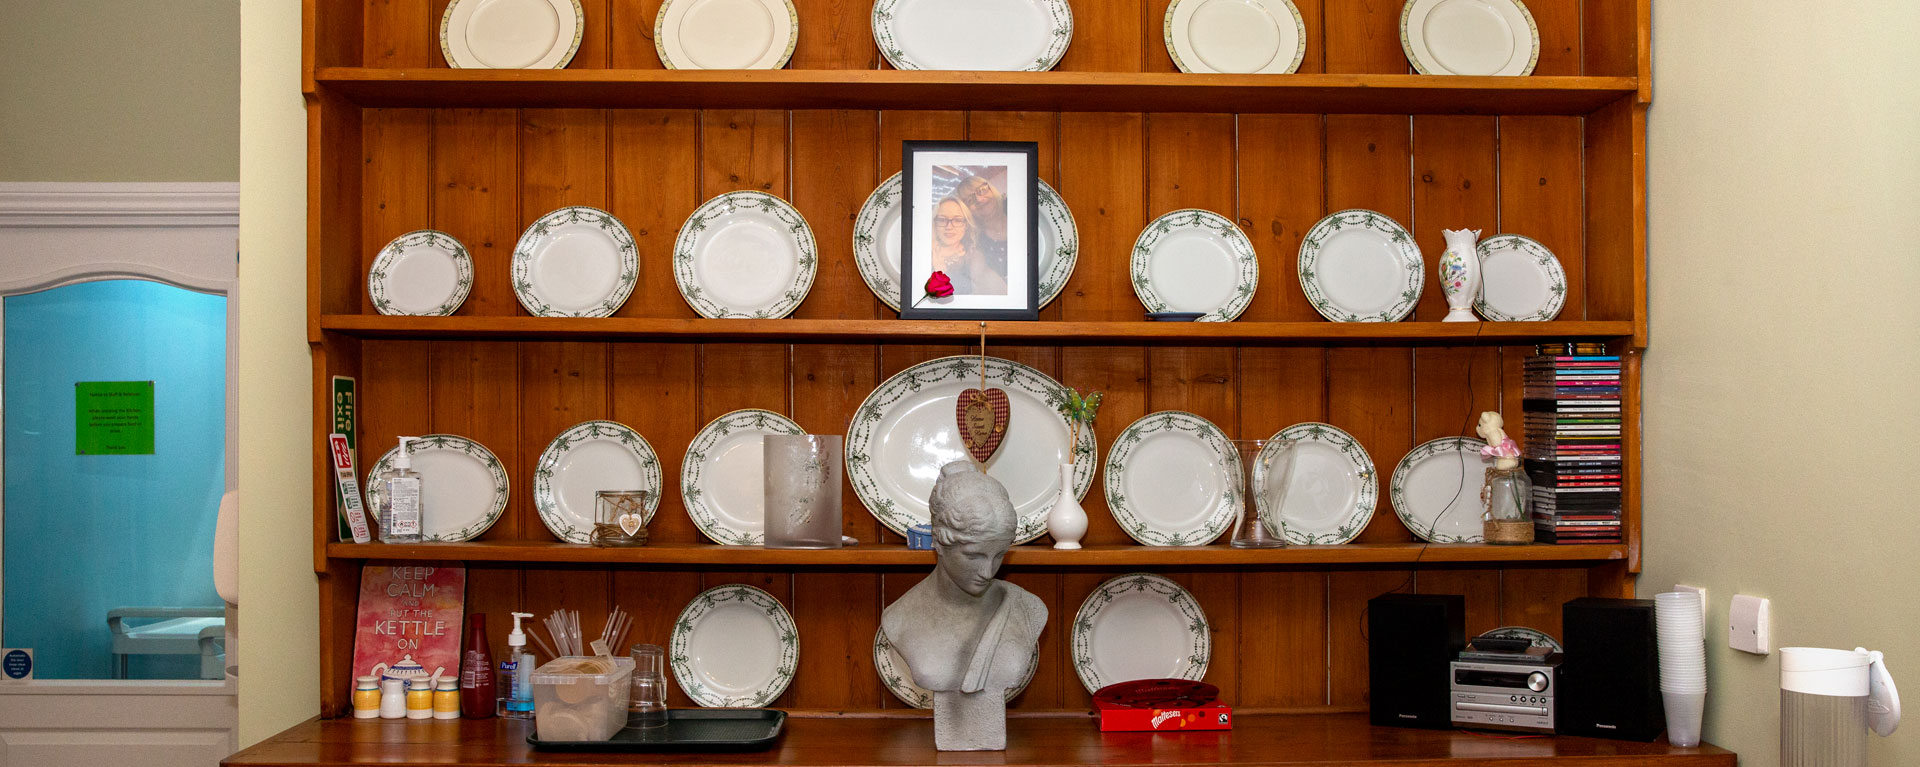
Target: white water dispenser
1828,701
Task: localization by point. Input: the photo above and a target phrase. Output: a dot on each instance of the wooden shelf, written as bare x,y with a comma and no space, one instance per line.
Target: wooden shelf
890,555
922,331
999,91
1256,739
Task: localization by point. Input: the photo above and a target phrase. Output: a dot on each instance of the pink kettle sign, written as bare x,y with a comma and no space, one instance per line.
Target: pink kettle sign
409,622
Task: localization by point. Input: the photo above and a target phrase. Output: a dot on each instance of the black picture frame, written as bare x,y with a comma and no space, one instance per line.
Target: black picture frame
928,169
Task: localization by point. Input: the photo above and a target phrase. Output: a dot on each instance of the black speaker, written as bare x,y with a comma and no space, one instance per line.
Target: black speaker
1411,639
1610,677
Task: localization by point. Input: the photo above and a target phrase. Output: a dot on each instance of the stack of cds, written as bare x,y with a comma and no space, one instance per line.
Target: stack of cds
1572,401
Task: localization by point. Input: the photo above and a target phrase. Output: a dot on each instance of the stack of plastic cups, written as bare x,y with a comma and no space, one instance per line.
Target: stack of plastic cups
1683,664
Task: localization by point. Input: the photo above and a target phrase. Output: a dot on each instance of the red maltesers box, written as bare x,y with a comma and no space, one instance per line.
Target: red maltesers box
1160,705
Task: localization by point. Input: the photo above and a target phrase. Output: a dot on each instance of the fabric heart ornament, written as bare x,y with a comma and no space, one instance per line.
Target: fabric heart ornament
983,421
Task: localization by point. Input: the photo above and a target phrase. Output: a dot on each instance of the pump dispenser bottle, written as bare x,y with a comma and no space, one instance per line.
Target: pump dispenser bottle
516,674
400,510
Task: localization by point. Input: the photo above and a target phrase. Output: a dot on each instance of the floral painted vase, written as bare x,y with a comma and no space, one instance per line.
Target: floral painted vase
1460,273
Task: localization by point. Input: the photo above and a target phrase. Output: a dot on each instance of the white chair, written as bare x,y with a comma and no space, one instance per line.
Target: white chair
198,631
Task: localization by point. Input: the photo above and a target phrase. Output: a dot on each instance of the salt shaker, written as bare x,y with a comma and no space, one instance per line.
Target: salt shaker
366,697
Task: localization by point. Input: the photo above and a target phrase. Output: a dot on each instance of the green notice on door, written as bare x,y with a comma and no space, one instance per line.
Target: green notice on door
113,418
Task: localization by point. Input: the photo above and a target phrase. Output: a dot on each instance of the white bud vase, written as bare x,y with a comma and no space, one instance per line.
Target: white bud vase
1460,273
1067,521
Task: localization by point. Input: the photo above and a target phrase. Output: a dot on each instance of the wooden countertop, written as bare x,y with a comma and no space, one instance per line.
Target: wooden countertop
1290,740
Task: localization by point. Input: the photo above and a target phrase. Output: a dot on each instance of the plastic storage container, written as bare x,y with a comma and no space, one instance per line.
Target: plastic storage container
579,698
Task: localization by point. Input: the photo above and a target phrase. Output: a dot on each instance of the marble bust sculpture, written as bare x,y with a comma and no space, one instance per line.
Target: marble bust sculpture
967,637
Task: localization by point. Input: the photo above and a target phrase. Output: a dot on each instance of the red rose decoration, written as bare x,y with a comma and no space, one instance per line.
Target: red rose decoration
939,286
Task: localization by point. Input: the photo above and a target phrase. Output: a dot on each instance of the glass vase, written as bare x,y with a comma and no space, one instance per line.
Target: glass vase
802,484
1262,474
1506,501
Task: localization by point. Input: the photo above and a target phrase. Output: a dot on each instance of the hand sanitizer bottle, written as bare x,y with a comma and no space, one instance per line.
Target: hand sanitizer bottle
400,510
516,674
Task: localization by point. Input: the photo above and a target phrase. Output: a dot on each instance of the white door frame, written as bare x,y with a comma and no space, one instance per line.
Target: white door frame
183,234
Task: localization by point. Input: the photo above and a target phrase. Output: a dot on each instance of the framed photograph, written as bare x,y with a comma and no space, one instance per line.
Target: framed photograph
969,231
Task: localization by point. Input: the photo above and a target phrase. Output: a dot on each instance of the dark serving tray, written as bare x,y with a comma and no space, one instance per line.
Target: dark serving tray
688,729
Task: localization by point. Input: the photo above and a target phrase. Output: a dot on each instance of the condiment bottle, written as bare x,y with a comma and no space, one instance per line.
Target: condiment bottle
393,698
420,699
446,699
477,698
366,697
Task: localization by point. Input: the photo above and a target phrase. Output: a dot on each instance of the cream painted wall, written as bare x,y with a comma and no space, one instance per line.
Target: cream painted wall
1784,181
1785,134
279,602
119,90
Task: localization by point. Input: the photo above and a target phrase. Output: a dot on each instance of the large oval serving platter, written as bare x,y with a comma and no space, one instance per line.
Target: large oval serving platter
973,35
906,430
463,486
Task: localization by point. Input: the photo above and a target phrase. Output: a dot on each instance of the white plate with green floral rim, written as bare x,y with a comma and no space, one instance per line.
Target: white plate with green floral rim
1140,626
586,458
1520,280
1469,37
898,678
463,486
1235,36
575,262
726,34
1194,261
1331,494
1537,637
1360,265
1171,480
876,243
511,34
721,477
905,431
422,273
734,646
1436,490
744,255
973,35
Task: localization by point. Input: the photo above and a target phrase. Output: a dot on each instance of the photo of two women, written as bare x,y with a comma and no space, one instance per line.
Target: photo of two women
970,227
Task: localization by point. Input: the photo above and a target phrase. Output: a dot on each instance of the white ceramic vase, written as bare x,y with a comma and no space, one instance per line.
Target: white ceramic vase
1460,273
1067,521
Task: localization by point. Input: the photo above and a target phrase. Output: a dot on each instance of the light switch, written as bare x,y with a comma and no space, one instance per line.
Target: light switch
1703,599
1747,627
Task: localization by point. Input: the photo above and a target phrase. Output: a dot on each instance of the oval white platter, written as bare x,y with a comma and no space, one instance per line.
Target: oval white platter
1359,265
1194,261
423,273
1469,37
586,458
1331,494
973,35
463,486
1520,280
511,34
722,476
905,431
1235,36
1537,637
726,34
876,243
898,678
744,255
1436,490
1170,480
575,262
734,646
1140,626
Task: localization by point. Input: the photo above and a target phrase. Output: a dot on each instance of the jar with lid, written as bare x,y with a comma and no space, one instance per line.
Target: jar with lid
366,697
420,699
446,698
